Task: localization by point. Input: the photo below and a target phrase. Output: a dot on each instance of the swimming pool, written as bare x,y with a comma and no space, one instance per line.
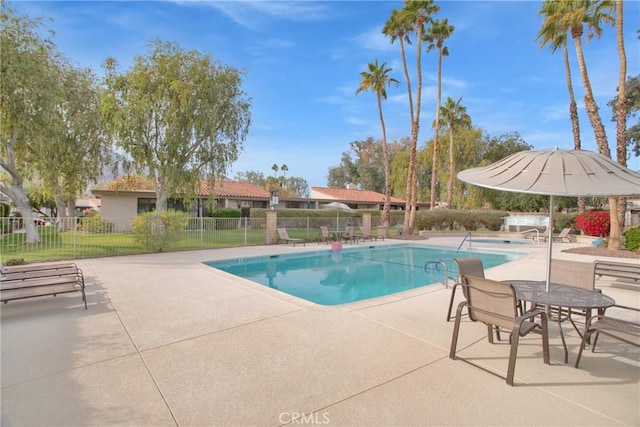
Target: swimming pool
353,274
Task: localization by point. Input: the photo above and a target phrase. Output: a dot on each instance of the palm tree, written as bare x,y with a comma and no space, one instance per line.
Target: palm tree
376,79
435,37
553,34
410,18
454,115
284,168
572,16
622,107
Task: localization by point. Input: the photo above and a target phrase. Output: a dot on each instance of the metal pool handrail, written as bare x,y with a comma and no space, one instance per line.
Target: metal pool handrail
537,234
446,271
467,235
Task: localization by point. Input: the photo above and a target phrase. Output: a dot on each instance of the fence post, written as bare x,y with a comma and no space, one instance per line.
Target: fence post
272,223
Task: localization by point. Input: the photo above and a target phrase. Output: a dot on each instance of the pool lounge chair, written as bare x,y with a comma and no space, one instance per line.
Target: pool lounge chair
349,235
365,234
283,236
563,236
324,234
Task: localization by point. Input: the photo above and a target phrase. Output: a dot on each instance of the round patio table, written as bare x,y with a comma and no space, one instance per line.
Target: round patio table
558,295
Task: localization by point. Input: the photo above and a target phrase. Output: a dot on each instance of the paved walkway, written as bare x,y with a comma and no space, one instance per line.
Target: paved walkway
169,341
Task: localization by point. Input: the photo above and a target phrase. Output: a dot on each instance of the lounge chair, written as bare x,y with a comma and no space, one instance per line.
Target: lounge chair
469,266
283,236
365,234
349,235
563,236
494,304
324,234
381,233
623,330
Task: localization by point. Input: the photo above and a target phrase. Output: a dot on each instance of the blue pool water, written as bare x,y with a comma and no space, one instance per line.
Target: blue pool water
353,274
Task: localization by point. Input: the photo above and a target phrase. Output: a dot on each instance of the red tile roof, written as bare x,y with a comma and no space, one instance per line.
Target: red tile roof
222,189
349,195
235,189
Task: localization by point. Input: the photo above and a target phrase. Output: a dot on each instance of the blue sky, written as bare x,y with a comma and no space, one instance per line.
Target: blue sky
303,62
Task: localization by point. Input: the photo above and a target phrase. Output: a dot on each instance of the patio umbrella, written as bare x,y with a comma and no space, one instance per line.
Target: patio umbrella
576,173
338,206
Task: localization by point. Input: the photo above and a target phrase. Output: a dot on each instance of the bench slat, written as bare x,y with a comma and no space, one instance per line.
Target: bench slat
38,267
16,294
40,273
618,269
35,283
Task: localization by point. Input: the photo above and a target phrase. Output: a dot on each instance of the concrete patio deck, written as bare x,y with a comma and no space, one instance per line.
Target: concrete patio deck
169,341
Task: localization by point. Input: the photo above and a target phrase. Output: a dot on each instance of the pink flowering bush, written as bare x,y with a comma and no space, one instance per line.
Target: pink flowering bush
593,223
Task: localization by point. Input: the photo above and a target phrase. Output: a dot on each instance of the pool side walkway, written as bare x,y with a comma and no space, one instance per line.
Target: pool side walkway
169,341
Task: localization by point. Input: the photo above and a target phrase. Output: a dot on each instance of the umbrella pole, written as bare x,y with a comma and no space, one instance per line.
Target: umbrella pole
550,240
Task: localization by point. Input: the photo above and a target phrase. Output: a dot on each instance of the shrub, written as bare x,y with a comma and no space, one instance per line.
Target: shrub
632,239
157,231
490,219
15,261
94,224
594,223
223,218
564,220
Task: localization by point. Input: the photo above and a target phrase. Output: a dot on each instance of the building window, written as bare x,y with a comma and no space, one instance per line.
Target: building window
146,205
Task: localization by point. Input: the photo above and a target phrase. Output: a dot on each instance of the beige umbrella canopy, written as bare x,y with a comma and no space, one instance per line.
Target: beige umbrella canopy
557,172
576,173
338,206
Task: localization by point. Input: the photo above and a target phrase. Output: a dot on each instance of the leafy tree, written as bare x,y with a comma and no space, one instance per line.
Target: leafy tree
362,165
29,94
400,167
454,115
296,186
435,36
293,186
492,150
129,183
254,177
76,153
179,115
376,79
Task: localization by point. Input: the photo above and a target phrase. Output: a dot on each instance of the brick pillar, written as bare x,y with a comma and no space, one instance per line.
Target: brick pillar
272,223
366,221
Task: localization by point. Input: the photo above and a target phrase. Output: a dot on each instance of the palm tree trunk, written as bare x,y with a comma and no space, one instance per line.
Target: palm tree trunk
414,135
412,155
452,166
573,114
387,169
601,140
434,159
621,106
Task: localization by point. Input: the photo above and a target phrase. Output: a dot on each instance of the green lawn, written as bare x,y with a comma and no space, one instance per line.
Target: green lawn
73,244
